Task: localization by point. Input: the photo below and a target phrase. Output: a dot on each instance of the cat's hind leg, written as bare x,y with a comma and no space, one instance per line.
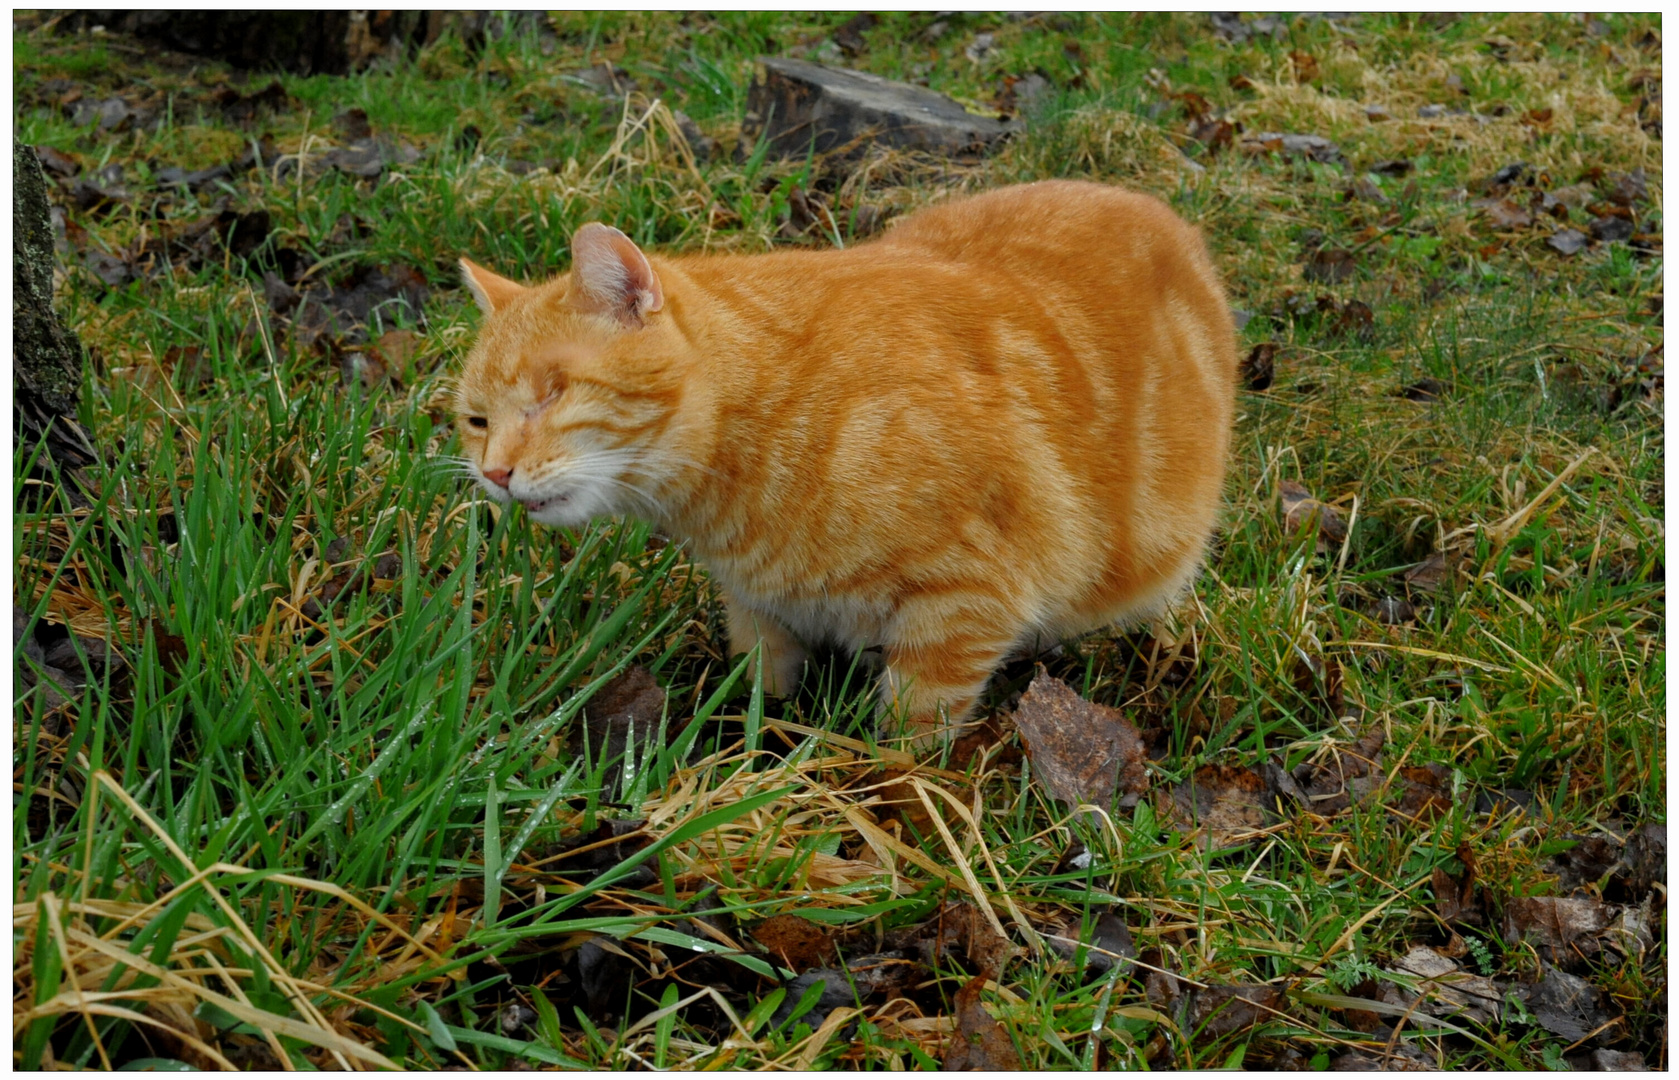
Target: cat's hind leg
783,657
941,655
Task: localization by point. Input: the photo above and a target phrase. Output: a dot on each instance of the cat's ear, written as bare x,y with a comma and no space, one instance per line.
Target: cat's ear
611,276
492,291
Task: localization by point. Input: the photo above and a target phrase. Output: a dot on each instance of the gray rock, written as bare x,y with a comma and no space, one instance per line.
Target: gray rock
1315,147
1567,241
1608,229
56,686
608,80
699,142
844,111
31,648
1033,92
98,654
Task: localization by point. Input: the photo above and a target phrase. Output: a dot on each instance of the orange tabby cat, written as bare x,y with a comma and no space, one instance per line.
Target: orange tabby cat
1004,422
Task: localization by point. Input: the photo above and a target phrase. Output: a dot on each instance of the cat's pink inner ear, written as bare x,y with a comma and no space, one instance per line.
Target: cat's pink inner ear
611,275
492,291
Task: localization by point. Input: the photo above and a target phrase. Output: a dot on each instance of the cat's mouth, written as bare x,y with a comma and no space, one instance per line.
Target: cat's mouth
536,506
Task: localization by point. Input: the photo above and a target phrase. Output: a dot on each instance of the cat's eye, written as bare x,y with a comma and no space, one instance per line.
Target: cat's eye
478,422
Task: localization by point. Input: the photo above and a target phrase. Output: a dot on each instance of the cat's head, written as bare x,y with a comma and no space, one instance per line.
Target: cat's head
567,395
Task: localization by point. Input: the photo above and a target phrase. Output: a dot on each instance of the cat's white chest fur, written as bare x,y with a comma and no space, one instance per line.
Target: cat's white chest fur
813,616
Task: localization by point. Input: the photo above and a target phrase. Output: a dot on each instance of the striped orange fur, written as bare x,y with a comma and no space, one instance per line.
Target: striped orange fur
1002,423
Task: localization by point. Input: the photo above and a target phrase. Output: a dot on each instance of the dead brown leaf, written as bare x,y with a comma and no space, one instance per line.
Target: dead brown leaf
849,37
1160,986
397,347
1113,938
1393,611
1215,133
1110,942
57,163
1367,190
1355,319
1447,989
1566,1005
1454,897
1432,572
1305,66
1402,1059
363,366
1216,1011
867,978
1560,926
898,799
1082,752
987,736
1504,214
1323,682
241,108
1628,188
1425,791
1327,782
797,942
1223,806
630,706
1300,510
1601,1060
964,926
1259,369
1646,859
980,1042
1315,147
1425,389
1331,266
1195,106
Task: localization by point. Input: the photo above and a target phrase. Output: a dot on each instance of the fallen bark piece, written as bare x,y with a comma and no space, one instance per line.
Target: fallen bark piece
797,102
1081,752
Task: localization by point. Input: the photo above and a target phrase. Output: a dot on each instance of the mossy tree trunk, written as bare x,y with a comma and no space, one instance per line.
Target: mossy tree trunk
333,42
46,354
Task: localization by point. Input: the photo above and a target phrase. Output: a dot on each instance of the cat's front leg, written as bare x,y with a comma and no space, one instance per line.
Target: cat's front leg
783,657
937,668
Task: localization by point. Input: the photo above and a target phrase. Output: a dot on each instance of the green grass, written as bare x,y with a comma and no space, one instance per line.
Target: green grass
274,792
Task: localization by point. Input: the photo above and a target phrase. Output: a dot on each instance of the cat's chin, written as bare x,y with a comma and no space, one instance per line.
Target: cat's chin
559,512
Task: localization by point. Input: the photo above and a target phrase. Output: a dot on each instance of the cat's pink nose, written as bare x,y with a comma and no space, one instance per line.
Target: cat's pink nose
498,477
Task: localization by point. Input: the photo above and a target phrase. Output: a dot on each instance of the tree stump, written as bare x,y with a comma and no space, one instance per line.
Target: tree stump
46,354
798,104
